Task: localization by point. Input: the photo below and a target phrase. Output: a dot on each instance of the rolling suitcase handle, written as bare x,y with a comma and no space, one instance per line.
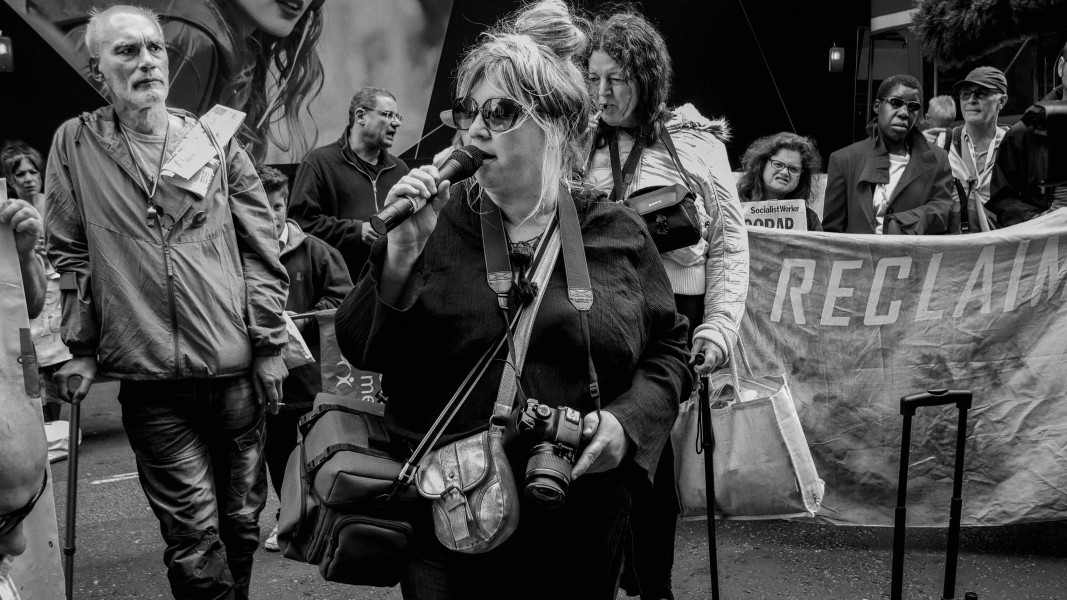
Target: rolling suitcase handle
908,404
73,383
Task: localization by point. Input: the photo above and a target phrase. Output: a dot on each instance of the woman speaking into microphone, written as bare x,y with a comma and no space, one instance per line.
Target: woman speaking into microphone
423,313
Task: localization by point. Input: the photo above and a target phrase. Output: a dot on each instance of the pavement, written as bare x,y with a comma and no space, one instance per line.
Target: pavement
119,549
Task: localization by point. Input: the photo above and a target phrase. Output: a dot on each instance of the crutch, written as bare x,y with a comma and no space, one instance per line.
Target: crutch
707,446
908,404
73,383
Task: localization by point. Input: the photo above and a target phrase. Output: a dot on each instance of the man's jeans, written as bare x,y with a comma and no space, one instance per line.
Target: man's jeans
199,448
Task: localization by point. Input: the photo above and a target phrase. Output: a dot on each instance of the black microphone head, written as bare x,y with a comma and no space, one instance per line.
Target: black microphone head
462,163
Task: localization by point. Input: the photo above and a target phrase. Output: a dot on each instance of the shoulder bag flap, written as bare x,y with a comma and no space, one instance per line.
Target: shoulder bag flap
461,465
646,200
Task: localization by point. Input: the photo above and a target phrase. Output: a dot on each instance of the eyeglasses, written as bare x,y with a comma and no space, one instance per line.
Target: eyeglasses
11,520
388,114
499,114
896,103
978,93
778,165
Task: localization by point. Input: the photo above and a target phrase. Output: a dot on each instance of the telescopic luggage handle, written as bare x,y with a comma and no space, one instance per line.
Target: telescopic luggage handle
908,404
961,398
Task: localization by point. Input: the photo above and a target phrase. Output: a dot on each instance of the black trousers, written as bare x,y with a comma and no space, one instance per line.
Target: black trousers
654,513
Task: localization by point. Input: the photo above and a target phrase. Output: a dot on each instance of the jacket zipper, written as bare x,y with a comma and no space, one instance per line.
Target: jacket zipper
162,238
173,311
373,181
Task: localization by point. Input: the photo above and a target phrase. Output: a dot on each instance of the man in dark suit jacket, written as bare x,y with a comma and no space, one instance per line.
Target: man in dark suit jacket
893,181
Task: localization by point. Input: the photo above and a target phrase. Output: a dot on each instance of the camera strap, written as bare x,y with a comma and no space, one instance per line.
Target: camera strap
566,239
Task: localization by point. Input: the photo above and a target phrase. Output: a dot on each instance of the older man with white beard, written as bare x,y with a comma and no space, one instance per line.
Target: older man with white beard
176,292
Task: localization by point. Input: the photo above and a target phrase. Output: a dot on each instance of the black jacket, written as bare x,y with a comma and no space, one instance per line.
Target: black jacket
921,202
332,196
318,280
1016,194
426,344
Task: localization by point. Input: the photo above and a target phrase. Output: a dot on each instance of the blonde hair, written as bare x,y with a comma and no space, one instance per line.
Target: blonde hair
530,58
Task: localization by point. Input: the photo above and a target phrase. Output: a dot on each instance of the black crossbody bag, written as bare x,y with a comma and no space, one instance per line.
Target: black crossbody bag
669,211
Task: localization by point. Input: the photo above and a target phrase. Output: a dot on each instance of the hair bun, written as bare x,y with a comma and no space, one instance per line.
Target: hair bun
551,23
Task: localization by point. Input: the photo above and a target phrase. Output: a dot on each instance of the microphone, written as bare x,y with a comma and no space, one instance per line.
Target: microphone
460,165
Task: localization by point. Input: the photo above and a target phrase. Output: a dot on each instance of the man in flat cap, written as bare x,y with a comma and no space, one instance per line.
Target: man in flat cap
972,147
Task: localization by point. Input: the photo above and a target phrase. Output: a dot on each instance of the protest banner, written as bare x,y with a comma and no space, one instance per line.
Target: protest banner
776,214
858,321
37,573
339,377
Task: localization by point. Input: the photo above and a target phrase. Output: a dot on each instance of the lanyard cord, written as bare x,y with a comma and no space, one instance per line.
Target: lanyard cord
133,157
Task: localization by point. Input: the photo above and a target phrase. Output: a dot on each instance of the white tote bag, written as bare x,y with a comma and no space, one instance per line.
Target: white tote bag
763,467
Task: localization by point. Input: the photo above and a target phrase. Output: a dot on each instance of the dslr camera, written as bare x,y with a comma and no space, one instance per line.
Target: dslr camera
554,434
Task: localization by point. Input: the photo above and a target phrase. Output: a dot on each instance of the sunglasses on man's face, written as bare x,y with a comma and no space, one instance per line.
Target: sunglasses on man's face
896,103
499,114
978,93
11,520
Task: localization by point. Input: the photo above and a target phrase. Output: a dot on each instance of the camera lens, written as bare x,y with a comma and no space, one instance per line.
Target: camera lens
548,475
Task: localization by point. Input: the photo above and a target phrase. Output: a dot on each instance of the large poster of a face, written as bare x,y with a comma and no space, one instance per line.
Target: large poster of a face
291,65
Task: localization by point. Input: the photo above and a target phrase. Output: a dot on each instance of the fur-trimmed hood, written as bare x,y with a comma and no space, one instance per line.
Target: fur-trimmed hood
687,116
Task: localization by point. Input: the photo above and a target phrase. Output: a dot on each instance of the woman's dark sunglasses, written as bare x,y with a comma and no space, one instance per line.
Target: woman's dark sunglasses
499,114
11,520
896,103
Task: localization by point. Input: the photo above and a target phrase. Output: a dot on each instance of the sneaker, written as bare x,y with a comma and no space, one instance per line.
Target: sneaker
271,545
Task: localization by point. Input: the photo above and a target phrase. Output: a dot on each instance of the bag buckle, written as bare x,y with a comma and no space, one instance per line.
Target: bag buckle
453,497
458,512
661,224
407,474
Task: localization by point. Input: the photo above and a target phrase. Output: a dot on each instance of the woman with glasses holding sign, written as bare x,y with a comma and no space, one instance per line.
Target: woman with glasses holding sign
893,182
423,312
781,167
640,143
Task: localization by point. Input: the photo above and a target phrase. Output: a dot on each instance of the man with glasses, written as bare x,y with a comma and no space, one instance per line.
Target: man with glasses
339,186
893,182
1018,193
972,147
23,449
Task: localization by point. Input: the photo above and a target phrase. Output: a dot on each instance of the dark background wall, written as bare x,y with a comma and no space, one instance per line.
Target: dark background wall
718,66
717,63
42,91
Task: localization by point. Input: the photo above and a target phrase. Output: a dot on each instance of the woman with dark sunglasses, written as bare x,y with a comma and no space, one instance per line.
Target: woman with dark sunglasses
781,167
893,182
423,313
629,75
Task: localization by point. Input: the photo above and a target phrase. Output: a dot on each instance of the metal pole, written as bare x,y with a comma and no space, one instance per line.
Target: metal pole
73,383
708,447
953,550
901,516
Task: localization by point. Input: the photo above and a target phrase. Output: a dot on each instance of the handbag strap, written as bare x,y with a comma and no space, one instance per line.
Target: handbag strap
665,137
407,472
